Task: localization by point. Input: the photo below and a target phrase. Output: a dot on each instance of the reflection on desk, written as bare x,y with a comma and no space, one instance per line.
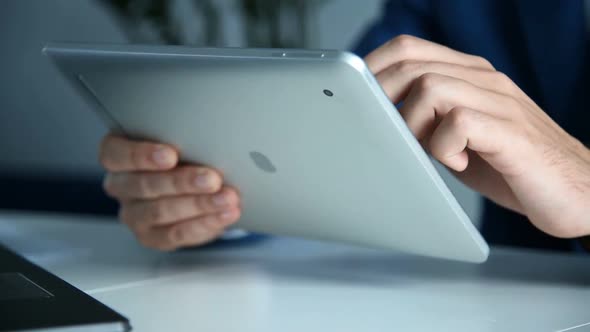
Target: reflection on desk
285,284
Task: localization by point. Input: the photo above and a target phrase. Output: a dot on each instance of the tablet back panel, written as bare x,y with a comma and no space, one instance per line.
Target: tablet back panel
308,137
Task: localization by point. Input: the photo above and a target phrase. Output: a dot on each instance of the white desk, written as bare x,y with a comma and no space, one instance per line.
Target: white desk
285,285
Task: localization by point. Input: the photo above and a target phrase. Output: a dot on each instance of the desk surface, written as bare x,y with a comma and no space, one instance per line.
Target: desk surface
282,284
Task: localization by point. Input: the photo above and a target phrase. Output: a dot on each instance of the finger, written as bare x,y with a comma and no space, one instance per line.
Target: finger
432,96
406,47
463,128
150,185
483,178
196,231
119,154
397,79
168,210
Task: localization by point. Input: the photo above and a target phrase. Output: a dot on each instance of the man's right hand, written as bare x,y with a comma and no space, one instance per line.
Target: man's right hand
481,125
165,204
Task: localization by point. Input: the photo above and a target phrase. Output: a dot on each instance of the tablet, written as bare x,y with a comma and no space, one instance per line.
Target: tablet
309,138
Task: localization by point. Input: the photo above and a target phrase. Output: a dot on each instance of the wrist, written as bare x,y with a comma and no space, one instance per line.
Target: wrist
555,190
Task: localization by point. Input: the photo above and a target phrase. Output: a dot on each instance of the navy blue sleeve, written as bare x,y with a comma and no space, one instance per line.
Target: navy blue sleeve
398,17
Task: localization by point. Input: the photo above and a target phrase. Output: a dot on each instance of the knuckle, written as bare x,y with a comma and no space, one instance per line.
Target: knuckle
403,42
483,62
502,80
428,81
143,185
501,77
406,66
459,119
155,212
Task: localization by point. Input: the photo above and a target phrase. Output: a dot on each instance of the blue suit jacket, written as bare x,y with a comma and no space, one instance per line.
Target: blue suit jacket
541,44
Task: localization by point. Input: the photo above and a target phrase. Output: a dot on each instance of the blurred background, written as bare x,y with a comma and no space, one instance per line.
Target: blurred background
49,138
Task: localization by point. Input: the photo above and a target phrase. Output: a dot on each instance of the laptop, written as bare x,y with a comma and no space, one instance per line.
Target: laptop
32,299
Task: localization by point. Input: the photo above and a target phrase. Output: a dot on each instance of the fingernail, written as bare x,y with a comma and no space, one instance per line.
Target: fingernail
163,156
226,215
219,200
202,181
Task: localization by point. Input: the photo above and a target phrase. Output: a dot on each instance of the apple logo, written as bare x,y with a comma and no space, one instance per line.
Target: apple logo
262,162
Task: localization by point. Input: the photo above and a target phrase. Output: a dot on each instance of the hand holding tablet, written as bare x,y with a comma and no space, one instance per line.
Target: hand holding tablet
166,205
497,140
310,140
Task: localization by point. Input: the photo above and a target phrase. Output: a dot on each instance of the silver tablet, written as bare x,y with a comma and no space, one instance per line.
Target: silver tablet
310,140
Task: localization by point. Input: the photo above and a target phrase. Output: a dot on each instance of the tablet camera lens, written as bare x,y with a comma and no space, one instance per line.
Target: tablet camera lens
328,93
